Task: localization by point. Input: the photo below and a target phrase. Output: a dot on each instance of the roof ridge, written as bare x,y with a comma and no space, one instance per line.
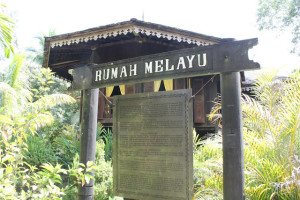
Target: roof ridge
132,26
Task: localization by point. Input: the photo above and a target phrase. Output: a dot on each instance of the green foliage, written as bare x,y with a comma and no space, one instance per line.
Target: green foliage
25,150
73,190
26,103
271,144
103,187
208,178
6,32
64,140
279,15
43,82
103,177
39,151
34,112
14,88
36,54
271,138
107,136
215,115
47,183
66,146
20,180
60,134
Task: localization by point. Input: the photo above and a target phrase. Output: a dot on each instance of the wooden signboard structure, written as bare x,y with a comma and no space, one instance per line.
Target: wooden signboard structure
213,59
226,59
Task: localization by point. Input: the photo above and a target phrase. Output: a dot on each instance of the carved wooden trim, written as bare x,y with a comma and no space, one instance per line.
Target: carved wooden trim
116,31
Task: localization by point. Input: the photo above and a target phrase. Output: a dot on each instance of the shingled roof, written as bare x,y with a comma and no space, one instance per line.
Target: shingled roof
115,42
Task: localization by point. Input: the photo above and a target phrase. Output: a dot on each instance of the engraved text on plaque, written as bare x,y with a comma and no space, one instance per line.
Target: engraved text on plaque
152,147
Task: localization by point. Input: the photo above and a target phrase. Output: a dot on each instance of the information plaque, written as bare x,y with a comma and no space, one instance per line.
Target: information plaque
153,146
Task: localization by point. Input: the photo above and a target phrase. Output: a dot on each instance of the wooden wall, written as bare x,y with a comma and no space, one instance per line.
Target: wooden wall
203,101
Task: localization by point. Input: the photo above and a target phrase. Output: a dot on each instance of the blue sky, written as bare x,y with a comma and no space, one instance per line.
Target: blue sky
226,19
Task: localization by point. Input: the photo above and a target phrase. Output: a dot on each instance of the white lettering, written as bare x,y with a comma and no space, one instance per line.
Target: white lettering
204,60
132,70
98,75
114,73
148,67
190,60
158,66
181,62
167,66
106,74
123,72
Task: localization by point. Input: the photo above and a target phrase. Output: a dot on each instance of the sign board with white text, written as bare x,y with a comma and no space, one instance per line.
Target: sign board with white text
213,59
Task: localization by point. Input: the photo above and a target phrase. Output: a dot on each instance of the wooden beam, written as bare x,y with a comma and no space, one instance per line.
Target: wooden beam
233,158
88,138
214,59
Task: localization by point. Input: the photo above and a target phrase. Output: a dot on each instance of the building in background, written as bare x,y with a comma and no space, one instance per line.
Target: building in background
130,39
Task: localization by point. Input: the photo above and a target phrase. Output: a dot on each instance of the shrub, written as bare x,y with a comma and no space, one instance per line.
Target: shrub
208,169
103,177
271,132
39,151
66,145
103,185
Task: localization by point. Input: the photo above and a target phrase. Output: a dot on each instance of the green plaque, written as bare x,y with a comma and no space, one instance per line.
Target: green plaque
153,146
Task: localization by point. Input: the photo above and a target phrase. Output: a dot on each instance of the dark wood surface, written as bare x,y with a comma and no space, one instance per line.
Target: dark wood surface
199,109
220,58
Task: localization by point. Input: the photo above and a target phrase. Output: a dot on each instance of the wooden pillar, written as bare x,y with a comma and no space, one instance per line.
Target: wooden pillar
233,159
88,137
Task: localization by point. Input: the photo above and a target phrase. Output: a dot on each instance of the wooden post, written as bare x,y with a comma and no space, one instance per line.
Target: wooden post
233,161
88,137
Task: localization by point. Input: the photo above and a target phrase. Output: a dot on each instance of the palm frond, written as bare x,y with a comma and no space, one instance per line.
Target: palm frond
215,114
35,121
14,69
36,54
205,193
14,89
6,31
290,109
8,95
268,90
49,101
